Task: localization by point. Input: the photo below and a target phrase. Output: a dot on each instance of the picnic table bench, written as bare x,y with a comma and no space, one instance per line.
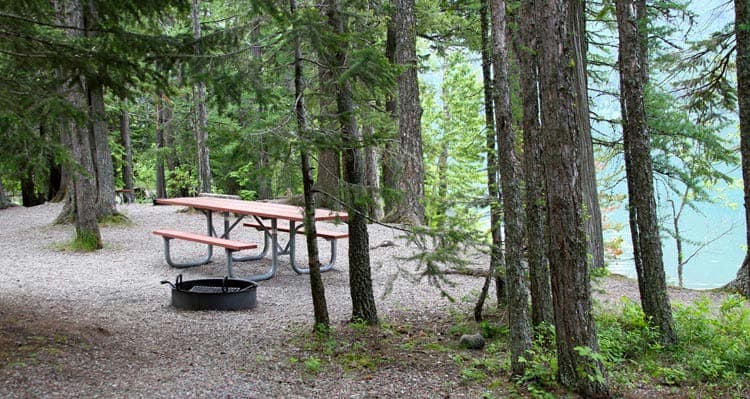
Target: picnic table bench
329,235
230,246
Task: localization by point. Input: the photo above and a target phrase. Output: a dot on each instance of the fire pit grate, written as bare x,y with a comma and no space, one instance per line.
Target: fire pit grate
213,294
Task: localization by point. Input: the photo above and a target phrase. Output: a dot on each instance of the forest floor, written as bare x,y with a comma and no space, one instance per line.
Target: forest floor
100,324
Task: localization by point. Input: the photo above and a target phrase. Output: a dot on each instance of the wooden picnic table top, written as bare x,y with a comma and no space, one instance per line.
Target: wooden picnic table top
253,208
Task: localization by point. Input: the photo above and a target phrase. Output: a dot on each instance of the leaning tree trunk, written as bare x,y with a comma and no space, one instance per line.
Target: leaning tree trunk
742,32
320,306
127,164
526,50
360,278
568,249
644,225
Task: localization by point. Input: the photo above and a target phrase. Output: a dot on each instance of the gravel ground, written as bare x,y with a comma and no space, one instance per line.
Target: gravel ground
100,324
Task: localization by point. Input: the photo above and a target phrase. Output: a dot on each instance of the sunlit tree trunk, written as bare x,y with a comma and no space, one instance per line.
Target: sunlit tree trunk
644,225
568,249
526,50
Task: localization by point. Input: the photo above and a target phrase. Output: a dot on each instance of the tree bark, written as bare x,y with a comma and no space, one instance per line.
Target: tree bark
644,225
5,202
587,163
84,190
567,251
317,288
515,272
200,128
161,122
409,165
497,260
127,165
372,182
360,278
742,32
101,153
526,45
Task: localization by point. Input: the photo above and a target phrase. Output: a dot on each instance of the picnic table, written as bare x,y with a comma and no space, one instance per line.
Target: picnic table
266,216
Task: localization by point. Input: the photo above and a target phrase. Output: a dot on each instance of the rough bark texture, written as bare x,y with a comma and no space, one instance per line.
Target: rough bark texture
127,164
536,240
317,289
102,154
84,191
567,252
518,295
644,225
405,159
742,32
586,160
360,278
329,179
200,128
497,260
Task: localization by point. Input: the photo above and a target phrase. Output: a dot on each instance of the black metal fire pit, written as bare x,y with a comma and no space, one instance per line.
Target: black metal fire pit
213,294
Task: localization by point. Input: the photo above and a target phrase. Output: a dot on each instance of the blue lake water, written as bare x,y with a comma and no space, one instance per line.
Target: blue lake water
715,265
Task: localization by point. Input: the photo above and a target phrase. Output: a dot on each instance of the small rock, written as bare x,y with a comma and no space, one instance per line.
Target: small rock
472,341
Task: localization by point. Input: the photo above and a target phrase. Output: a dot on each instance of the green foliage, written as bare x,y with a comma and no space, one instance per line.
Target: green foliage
85,241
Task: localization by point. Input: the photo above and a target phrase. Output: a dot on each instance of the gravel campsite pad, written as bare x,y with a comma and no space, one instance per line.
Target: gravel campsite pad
100,324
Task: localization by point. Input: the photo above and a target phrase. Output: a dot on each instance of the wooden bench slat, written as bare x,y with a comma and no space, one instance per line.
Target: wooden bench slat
219,242
284,226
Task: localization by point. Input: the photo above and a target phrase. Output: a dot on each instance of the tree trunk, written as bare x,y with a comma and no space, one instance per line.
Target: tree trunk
567,251
587,163
55,178
200,129
372,182
526,45
127,165
497,260
161,181
329,179
84,190
5,202
101,153
360,278
644,225
742,32
409,165
320,306
515,272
